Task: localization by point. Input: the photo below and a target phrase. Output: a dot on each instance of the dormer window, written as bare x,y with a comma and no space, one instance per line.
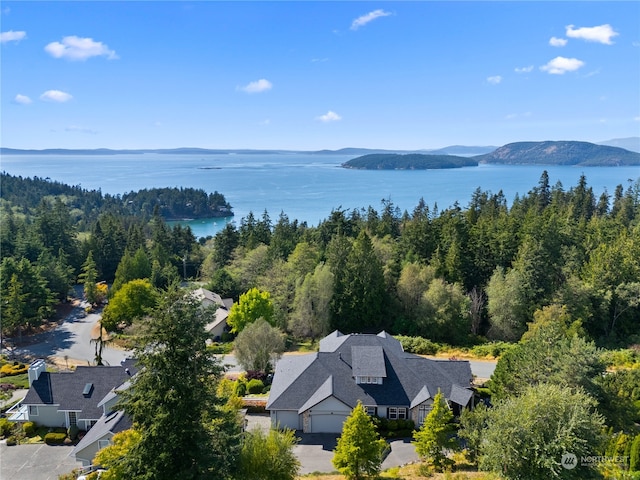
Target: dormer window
369,380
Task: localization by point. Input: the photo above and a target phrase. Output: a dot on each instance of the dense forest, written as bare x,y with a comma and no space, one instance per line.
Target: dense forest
409,161
457,276
85,206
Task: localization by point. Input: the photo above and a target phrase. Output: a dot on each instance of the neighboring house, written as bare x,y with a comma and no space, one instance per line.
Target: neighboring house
84,397
316,392
219,323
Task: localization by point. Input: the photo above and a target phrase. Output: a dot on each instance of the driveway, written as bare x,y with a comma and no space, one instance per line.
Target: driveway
315,450
35,462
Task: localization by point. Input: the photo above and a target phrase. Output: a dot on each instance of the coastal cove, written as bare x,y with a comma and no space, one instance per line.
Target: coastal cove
305,187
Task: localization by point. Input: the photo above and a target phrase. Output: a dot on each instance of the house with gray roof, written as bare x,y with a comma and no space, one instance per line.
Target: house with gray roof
316,392
85,397
218,324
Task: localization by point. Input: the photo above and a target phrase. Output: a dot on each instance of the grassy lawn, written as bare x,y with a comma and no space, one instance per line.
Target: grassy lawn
20,381
409,472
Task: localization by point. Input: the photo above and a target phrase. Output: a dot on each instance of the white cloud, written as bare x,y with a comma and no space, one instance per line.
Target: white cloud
75,128
557,42
495,80
524,69
12,36
635,44
562,65
330,116
258,86
369,17
513,116
76,48
600,34
55,96
22,99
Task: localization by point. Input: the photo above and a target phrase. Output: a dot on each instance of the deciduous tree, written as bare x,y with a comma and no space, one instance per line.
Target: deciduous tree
258,346
268,456
252,305
527,436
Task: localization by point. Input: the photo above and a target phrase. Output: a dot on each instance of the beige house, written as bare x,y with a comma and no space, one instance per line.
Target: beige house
218,324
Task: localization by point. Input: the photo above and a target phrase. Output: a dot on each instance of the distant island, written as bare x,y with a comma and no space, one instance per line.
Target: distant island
410,161
607,153
582,154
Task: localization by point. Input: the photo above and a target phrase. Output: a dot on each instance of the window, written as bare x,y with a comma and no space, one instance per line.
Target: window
73,419
103,443
33,410
396,413
371,411
369,380
423,411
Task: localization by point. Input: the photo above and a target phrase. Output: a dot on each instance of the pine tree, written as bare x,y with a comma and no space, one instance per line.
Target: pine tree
359,450
88,277
184,431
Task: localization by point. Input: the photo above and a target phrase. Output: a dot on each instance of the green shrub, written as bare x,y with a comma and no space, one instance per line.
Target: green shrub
11,441
53,438
418,345
241,388
493,349
255,386
5,427
29,428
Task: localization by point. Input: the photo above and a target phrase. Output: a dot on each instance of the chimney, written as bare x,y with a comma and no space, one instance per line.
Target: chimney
35,369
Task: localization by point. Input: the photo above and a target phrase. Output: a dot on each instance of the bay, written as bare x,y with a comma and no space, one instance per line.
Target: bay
305,187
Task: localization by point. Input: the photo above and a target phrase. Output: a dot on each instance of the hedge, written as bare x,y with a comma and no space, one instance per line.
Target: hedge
53,438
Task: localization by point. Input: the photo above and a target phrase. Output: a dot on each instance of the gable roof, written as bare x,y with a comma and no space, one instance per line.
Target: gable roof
304,380
221,313
111,424
65,389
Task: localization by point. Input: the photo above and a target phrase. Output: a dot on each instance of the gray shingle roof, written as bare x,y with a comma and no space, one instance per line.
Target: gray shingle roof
368,362
65,389
113,423
409,380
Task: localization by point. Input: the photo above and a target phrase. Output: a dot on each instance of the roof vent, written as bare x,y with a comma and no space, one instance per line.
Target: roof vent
88,388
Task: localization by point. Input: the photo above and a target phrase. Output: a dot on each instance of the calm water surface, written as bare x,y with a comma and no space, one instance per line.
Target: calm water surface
303,186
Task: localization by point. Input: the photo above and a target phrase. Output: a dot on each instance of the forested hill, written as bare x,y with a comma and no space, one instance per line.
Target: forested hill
560,153
411,161
25,194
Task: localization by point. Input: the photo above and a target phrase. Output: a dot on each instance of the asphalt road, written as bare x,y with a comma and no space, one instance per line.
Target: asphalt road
71,339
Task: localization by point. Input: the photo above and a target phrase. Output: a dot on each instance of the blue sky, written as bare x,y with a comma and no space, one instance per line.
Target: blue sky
314,75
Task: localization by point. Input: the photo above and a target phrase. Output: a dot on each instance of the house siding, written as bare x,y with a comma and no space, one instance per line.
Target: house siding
49,416
86,455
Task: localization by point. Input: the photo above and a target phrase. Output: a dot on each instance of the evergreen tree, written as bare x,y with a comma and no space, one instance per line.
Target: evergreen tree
360,295
358,453
88,278
184,432
436,434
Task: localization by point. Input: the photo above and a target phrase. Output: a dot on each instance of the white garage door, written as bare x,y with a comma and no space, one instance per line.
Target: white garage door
327,423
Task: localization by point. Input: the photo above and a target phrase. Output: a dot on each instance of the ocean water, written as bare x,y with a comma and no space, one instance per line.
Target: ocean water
305,187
